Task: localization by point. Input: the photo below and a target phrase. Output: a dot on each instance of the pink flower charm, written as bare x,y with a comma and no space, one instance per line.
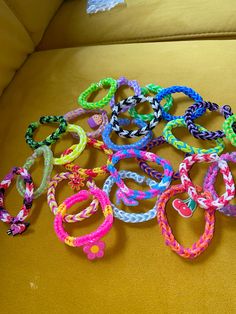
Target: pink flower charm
76,181
94,250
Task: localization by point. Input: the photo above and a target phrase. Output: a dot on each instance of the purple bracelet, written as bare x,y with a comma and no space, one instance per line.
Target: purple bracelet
210,178
194,130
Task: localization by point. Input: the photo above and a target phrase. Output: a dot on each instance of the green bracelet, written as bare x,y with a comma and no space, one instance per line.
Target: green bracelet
82,99
229,130
184,147
155,89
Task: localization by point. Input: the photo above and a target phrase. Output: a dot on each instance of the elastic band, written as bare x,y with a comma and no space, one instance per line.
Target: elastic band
229,127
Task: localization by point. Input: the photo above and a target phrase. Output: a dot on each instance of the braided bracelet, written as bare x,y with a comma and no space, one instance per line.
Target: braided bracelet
47,153
128,196
91,243
184,147
194,130
74,150
52,138
153,89
98,120
138,145
179,89
209,180
229,127
198,247
17,226
207,203
121,214
82,99
132,101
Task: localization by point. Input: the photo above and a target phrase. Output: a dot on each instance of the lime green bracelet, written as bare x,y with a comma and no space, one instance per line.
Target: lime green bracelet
155,89
229,129
82,99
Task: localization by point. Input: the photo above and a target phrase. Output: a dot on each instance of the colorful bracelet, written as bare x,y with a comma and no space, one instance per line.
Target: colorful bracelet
92,244
179,89
98,120
82,99
52,138
48,166
132,101
226,111
129,196
155,89
138,145
207,203
198,247
17,226
121,214
229,128
184,147
75,150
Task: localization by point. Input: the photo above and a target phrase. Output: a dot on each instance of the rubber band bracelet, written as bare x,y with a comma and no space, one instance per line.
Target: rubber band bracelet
82,99
210,178
138,145
121,214
129,196
179,89
17,226
207,203
229,127
149,116
52,138
184,147
132,101
198,247
98,120
48,166
193,129
91,243
75,182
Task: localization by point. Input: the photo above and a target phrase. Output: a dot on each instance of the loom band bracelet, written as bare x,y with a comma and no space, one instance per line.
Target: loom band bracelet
107,82
17,224
198,247
193,129
75,183
203,202
52,138
132,101
184,147
121,214
229,128
138,145
179,89
129,196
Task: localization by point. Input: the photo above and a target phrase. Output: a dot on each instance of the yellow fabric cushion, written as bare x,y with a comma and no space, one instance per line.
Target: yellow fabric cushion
140,21
138,274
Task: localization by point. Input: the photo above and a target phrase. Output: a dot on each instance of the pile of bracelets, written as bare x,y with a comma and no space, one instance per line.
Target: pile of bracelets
158,185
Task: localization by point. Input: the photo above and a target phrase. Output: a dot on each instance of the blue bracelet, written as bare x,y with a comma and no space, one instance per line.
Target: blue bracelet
121,214
138,145
179,89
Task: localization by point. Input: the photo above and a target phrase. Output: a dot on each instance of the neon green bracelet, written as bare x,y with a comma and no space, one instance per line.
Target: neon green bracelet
82,99
155,89
229,129
184,147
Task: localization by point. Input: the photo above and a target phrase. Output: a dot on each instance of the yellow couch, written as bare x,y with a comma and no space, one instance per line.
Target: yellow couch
50,52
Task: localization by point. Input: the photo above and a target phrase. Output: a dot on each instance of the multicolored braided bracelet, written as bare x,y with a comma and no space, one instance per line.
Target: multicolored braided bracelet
82,99
129,196
49,139
132,101
121,214
226,111
91,243
17,226
184,147
229,128
138,145
48,166
207,203
198,247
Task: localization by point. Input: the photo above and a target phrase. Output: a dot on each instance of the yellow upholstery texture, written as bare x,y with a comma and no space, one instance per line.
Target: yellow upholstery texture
140,21
34,15
139,273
